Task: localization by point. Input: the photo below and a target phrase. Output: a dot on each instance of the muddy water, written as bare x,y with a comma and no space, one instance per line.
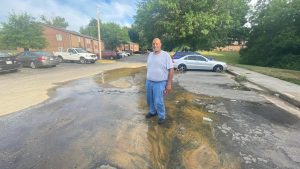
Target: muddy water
185,141
99,123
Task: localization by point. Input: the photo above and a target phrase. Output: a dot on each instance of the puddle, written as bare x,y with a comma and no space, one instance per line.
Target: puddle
121,78
99,123
274,115
185,141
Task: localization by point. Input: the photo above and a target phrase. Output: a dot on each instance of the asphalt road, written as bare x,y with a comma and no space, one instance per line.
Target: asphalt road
29,87
98,122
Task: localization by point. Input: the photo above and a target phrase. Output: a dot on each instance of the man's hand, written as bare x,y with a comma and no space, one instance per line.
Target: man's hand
170,80
168,88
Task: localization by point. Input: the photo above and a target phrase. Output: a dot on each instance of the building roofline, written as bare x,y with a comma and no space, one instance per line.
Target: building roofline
68,31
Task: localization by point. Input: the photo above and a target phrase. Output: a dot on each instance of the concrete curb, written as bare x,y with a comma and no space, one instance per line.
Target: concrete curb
273,92
105,61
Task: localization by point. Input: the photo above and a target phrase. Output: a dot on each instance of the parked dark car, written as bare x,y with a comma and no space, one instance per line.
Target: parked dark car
8,62
36,59
109,54
140,52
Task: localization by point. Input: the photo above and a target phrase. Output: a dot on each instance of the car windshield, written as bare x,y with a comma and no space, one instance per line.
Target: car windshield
41,53
181,54
79,50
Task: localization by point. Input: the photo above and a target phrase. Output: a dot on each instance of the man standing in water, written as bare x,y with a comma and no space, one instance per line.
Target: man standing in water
160,71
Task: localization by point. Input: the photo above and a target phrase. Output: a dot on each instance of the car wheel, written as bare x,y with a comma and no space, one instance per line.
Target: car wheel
93,62
218,68
182,67
60,59
82,60
33,65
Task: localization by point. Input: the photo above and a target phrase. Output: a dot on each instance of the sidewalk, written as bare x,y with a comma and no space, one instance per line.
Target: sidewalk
287,91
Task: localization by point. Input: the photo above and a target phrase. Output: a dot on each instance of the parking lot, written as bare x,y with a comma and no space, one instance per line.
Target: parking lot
29,87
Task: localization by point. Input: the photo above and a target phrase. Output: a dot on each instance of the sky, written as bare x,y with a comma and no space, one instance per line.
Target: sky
76,12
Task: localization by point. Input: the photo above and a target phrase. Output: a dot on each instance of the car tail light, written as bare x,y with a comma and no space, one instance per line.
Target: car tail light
40,58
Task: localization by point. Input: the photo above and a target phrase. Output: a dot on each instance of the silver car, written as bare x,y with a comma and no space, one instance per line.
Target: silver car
198,62
38,59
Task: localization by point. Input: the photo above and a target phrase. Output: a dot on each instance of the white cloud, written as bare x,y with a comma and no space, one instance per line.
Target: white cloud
77,13
118,12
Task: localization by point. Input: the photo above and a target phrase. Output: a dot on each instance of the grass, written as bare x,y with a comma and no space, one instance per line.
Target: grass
292,76
232,58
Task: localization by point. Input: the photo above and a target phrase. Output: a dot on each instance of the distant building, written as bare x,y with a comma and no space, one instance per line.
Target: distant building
61,39
129,46
234,46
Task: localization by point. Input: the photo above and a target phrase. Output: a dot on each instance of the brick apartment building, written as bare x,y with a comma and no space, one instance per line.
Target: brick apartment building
234,46
129,46
60,39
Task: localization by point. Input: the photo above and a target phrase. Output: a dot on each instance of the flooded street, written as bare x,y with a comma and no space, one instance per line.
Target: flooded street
98,122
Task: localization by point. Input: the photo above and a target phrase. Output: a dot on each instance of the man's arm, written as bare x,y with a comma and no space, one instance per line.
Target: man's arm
170,81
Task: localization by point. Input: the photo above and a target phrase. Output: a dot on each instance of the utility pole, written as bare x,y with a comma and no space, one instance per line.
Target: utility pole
99,36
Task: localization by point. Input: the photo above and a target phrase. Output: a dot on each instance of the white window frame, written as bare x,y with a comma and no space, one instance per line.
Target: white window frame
59,37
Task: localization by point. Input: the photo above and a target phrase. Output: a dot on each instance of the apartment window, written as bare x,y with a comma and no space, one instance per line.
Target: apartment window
58,37
60,49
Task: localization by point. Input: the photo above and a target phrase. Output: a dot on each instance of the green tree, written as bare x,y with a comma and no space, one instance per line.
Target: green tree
238,9
91,29
274,39
198,24
111,34
22,31
57,21
133,34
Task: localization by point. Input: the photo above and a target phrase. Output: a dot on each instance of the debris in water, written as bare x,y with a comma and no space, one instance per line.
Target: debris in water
106,167
210,111
207,119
